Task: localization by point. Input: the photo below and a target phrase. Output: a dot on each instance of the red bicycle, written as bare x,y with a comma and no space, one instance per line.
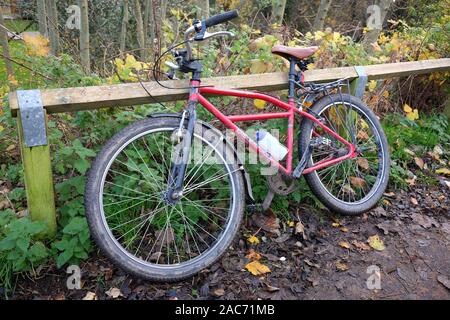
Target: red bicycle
166,195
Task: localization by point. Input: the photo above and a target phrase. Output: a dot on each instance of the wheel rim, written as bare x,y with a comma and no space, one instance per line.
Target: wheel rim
142,224
355,180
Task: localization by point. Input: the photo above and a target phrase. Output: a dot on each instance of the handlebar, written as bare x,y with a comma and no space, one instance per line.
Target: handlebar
221,18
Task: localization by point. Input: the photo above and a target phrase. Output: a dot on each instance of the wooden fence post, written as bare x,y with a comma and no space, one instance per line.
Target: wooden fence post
358,85
38,179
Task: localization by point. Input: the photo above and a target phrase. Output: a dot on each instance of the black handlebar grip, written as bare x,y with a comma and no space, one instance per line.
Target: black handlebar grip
221,18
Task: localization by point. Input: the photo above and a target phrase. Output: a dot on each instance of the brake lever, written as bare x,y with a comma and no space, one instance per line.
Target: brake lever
208,35
171,74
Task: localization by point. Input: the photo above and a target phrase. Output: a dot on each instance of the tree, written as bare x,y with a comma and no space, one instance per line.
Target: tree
52,22
149,24
123,30
377,15
140,29
84,36
204,9
322,13
5,45
42,18
278,7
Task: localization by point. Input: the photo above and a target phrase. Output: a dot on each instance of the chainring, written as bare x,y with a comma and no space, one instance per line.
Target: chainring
280,184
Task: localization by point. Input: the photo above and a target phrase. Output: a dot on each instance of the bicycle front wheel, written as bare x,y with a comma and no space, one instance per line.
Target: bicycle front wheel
138,226
353,186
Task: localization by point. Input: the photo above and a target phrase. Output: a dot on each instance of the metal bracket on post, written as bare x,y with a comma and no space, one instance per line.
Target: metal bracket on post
361,81
32,117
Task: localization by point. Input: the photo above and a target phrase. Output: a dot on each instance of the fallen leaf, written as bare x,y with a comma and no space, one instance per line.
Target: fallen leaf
253,255
357,182
411,182
343,229
443,171
408,151
219,292
11,147
376,243
114,293
344,244
268,222
360,245
389,194
253,240
271,288
300,228
90,296
419,162
363,163
407,108
259,104
256,268
414,201
335,224
424,221
362,135
342,266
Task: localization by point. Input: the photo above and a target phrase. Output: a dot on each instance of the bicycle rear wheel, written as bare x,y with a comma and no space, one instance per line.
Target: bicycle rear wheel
353,186
138,226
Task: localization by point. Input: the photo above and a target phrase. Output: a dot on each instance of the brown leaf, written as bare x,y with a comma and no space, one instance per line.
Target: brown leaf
363,163
342,266
344,244
219,292
114,293
414,201
268,222
357,182
419,162
256,268
362,135
300,228
444,280
253,255
360,245
90,296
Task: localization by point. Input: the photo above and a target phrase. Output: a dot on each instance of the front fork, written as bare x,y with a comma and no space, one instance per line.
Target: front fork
182,150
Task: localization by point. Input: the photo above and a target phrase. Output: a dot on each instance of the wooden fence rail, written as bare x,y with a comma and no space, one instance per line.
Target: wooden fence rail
36,159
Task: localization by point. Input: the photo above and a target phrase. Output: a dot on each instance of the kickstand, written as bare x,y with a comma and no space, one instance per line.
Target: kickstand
267,200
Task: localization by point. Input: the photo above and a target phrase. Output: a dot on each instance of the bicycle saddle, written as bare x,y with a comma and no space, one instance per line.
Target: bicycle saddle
298,52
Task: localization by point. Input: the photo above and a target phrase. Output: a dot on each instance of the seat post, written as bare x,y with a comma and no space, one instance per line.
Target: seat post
292,74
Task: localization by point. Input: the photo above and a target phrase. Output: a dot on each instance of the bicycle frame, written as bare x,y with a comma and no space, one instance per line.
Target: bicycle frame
289,113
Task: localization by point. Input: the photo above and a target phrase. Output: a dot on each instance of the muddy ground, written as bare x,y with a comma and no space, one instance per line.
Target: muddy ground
329,259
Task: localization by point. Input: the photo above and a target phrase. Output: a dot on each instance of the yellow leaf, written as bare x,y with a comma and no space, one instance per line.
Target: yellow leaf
2,128
36,45
386,94
376,243
256,268
257,66
344,244
357,182
335,224
13,80
11,147
291,223
413,115
372,85
253,240
419,162
444,171
407,108
259,104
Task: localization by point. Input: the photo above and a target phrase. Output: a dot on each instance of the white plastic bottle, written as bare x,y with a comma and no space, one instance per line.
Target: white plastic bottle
271,144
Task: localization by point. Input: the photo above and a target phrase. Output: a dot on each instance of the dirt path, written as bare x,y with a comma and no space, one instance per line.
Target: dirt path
328,261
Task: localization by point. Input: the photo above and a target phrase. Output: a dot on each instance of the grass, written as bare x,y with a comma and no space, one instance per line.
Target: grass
20,25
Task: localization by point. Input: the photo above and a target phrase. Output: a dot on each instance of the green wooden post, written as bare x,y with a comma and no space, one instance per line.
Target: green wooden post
38,181
358,85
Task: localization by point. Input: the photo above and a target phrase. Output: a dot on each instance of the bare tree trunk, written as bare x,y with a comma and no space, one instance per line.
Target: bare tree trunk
149,25
322,13
42,18
377,13
204,9
5,45
84,37
163,9
123,30
139,29
278,7
53,32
